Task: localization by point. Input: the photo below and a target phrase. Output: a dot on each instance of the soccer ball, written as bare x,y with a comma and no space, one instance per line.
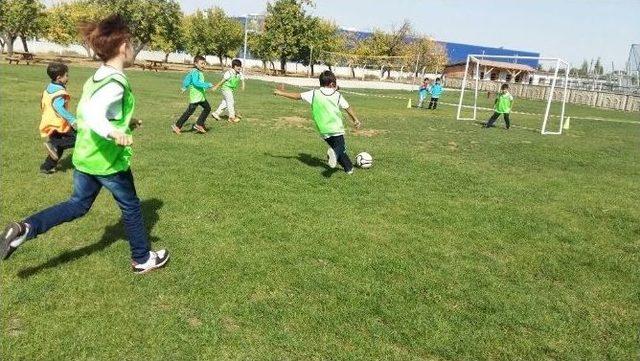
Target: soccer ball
364,160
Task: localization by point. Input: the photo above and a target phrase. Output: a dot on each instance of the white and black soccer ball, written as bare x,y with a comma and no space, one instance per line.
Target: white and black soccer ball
364,160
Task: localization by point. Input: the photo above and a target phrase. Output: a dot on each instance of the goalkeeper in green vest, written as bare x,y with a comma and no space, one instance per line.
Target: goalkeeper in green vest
102,155
326,104
502,106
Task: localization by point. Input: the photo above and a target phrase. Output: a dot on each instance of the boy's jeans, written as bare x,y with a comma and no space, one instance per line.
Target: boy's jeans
85,190
337,144
495,117
206,109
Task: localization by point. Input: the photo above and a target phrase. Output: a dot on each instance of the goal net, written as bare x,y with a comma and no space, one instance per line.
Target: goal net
366,66
539,86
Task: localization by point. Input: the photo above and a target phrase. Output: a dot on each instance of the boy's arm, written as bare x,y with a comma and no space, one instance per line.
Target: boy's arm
195,81
58,106
282,93
186,81
215,87
354,117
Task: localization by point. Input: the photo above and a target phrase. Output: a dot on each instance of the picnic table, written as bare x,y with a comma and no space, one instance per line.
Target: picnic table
19,56
154,65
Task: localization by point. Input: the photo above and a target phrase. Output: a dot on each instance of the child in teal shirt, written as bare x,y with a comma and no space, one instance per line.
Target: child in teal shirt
194,82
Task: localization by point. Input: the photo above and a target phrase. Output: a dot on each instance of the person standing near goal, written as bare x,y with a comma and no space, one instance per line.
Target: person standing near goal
502,106
229,83
436,91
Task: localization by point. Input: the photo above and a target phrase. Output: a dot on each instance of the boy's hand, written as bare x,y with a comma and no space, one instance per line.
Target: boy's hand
183,90
135,124
121,138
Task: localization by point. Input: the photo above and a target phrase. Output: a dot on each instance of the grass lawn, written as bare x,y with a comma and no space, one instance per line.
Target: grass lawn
459,243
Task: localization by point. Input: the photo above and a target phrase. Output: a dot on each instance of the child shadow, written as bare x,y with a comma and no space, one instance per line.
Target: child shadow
65,164
110,235
311,161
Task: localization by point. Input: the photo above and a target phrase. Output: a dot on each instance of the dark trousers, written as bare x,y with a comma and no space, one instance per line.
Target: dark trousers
60,141
433,103
337,144
495,117
206,109
85,190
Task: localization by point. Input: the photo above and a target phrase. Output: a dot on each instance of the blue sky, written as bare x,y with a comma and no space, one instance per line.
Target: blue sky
570,29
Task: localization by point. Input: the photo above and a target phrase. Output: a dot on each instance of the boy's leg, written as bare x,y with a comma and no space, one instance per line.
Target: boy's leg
85,190
187,113
338,146
492,120
206,109
507,122
221,108
435,103
431,103
123,190
228,98
420,100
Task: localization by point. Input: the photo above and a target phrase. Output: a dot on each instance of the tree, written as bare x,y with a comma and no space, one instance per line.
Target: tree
24,18
63,20
383,44
286,29
146,18
226,36
261,49
324,37
598,69
197,36
427,54
169,39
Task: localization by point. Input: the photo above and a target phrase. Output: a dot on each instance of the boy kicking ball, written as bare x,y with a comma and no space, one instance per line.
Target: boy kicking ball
326,104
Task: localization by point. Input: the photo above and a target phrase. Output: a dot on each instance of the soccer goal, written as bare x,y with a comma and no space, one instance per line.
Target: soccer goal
527,78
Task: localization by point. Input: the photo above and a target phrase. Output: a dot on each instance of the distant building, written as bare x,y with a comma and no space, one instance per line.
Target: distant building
492,70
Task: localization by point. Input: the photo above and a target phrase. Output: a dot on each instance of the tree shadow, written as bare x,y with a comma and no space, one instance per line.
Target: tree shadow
110,235
311,161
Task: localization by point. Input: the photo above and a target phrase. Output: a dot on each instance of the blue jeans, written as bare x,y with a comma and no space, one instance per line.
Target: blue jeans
85,190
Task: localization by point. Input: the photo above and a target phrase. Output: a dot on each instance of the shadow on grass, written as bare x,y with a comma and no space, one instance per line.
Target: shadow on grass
110,235
311,161
65,164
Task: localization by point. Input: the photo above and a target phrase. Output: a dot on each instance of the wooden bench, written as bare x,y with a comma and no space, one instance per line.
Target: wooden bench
12,59
153,65
20,56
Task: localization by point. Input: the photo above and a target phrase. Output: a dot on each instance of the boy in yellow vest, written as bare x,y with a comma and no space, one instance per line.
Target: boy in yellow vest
57,123
102,155
326,105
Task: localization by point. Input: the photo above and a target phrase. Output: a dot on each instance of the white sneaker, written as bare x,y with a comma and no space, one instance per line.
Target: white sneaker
331,158
215,116
13,236
156,259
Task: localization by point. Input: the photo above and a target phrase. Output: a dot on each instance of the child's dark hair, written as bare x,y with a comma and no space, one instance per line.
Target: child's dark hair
327,77
437,79
236,62
54,70
198,58
425,79
106,36
504,86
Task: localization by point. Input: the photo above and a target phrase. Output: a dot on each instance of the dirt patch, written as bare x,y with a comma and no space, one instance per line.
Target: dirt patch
14,327
369,132
195,322
229,324
293,122
453,146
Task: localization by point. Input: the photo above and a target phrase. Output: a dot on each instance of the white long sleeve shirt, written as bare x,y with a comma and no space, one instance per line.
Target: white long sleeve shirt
104,104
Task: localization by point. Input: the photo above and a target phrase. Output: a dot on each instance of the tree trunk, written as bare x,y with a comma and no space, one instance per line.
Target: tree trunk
353,72
220,57
24,44
88,49
9,40
2,42
312,73
283,65
166,57
137,50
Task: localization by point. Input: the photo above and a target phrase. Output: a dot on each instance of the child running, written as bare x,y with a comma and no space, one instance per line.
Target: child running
57,123
502,106
103,151
194,81
423,91
436,91
326,103
229,83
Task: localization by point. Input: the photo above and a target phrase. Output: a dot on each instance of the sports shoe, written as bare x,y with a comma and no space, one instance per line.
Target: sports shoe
175,129
53,152
331,158
199,129
350,172
233,120
156,259
215,116
12,237
47,170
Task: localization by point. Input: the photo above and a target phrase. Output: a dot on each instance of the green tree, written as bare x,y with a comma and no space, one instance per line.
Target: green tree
64,19
286,29
323,38
226,36
169,39
20,18
146,18
386,44
197,34
261,49
424,52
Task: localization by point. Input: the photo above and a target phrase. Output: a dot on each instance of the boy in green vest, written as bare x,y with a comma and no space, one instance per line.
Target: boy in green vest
194,81
102,153
229,83
502,105
326,104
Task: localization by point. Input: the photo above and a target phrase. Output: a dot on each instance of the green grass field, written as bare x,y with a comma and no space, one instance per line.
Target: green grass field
459,243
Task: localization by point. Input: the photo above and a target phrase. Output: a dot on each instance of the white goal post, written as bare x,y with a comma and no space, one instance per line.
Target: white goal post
477,59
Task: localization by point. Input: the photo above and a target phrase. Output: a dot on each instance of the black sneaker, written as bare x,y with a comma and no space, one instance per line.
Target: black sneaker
12,237
156,259
47,170
51,150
